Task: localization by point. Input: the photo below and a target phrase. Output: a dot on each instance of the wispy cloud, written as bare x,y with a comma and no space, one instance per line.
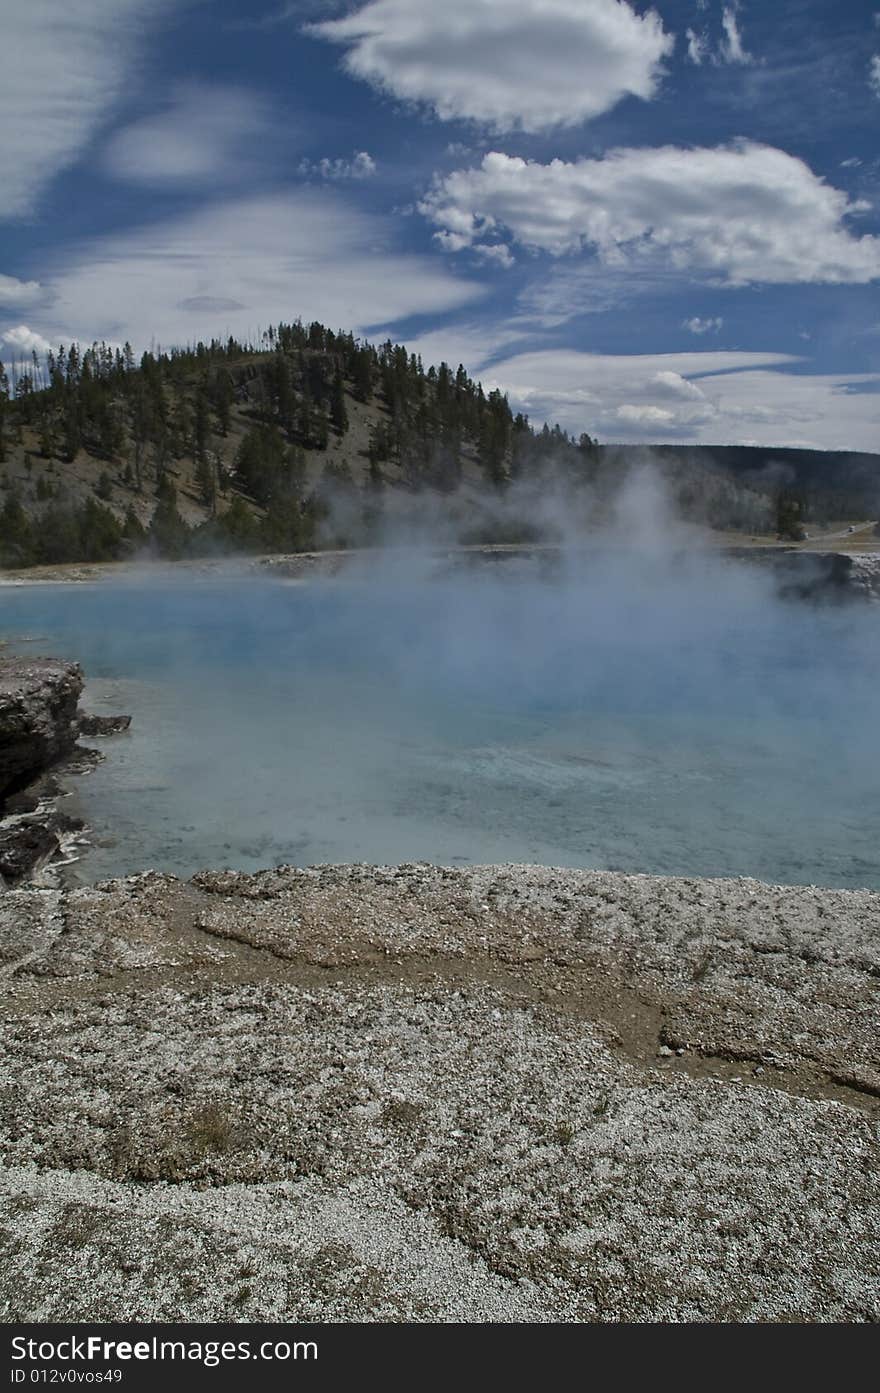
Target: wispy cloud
567,290
63,66
726,47
237,265
732,49
202,134
697,46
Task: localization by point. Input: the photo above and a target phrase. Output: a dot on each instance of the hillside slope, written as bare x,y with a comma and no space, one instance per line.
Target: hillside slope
317,439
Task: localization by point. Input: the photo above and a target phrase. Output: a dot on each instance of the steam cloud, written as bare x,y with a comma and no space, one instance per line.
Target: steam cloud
639,703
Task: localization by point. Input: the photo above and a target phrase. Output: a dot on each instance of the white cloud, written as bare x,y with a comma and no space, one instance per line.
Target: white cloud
650,418
739,214
360,166
518,65
63,65
708,398
16,292
670,384
696,325
237,266
496,252
874,75
25,341
202,134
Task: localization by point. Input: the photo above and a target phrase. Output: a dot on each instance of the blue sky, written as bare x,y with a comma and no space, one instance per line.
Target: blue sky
648,222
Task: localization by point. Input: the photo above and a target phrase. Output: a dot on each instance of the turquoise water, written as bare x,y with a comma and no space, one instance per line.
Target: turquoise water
655,717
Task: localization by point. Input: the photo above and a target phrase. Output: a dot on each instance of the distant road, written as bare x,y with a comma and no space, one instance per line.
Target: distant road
847,532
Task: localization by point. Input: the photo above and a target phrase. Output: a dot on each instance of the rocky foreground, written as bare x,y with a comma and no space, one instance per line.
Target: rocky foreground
495,1094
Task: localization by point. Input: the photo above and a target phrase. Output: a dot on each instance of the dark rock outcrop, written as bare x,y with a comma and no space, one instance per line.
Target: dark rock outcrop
25,845
91,725
815,576
39,727
38,701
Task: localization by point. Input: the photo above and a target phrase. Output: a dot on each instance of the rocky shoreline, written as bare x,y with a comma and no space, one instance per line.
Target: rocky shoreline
798,572
40,725
413,1093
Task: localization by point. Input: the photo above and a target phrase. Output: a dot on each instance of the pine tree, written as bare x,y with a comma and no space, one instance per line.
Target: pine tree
133,530
206,482
362,373
15,532
338,413
169,533
223,397
238,526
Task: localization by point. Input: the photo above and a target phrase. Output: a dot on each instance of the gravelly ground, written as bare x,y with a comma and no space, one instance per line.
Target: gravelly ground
503,1093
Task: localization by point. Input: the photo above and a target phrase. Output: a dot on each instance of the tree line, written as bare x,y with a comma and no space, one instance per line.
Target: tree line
141,417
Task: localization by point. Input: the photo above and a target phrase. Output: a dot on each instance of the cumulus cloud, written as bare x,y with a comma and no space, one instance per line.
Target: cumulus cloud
16,292
740,214
526,65
201,134
700,398
24,341
874,75
59,78
238,265
360,166
696,325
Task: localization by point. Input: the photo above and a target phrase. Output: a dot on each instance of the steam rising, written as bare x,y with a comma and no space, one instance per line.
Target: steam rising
639,703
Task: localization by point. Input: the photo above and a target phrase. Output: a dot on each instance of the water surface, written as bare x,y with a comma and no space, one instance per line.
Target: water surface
647,716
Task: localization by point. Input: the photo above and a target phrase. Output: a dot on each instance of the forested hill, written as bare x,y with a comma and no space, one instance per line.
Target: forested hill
315,438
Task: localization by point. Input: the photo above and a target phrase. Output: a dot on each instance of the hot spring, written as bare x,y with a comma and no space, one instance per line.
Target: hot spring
632,711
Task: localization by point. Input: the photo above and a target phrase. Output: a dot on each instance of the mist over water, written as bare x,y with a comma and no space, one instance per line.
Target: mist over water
629,707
